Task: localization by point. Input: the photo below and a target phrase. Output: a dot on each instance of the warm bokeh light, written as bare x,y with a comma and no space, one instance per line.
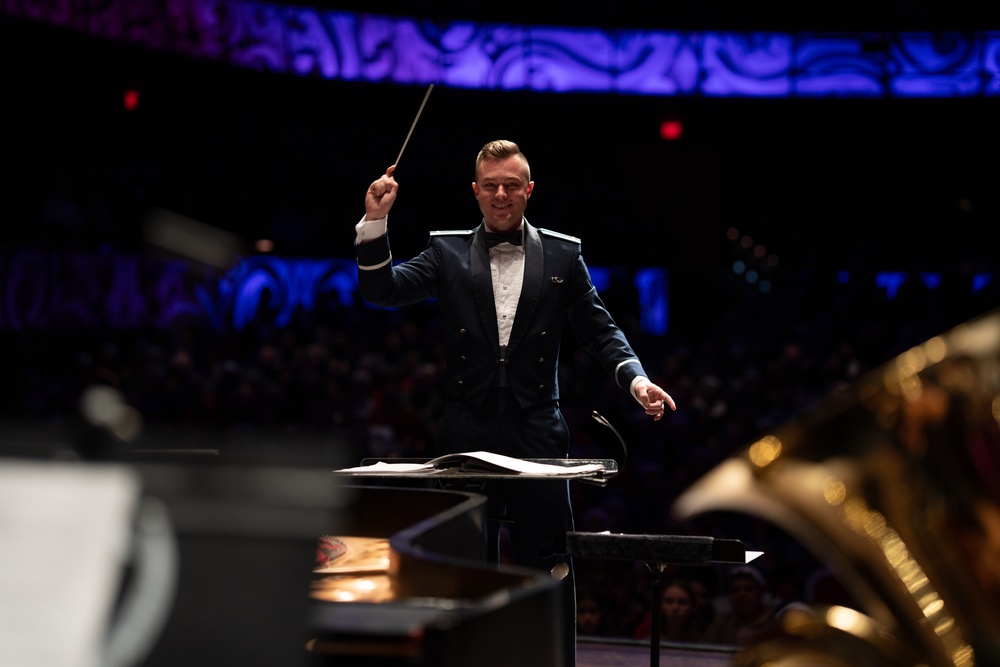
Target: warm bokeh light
765,451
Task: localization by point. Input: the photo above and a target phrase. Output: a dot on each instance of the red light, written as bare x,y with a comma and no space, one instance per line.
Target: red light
671,130
131,99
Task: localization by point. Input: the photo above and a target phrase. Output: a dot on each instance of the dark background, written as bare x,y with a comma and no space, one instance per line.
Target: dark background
824,183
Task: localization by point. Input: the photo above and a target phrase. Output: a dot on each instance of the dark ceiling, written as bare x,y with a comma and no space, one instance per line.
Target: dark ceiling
871,183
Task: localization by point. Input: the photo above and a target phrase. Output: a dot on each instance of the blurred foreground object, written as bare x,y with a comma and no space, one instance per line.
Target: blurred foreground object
185,238
164,554
66,541
893,485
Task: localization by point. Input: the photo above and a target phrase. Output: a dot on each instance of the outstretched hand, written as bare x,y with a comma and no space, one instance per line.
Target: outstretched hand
380,196
653,399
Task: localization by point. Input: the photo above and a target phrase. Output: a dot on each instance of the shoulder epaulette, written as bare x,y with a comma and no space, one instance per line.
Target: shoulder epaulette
453,232
557,235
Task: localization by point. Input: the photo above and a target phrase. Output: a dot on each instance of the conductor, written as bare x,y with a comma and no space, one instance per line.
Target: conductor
506,289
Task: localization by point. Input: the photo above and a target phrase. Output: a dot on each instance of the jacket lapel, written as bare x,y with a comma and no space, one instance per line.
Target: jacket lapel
531,287
482,285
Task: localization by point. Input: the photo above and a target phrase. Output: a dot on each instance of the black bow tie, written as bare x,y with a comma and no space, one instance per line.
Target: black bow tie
513,238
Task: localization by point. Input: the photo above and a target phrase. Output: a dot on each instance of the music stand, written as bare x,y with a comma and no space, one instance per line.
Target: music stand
607,468
657,551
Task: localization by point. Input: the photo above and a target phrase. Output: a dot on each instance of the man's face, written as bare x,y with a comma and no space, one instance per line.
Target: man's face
502,189
588,617
746,595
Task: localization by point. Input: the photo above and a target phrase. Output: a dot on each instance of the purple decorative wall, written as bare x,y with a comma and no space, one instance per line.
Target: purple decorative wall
346,46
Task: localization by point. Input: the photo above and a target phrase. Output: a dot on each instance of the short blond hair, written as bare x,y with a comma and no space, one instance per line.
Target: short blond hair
500,149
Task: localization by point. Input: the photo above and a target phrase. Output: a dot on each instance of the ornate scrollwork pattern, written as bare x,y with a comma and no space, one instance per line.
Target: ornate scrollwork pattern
348,46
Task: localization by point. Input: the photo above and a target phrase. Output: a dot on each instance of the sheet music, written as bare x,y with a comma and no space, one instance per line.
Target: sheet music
477,461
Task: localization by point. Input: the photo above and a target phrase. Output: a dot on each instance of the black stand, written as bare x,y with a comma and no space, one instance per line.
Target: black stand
657,551
654,629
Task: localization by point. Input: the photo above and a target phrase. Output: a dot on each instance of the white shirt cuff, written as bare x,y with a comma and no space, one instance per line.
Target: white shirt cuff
366,230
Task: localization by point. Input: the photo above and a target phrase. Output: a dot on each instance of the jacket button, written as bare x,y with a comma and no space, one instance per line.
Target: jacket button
541,386
461,331
462,357
541,360
460,383
543,333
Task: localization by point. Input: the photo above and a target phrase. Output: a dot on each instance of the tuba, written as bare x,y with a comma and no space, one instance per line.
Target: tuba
893,483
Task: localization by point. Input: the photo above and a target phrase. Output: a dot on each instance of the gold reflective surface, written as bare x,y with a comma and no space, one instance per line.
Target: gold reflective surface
893,483
353,588
357,569
356,554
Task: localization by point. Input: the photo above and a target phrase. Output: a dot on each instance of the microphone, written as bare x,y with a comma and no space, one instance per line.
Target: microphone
604,422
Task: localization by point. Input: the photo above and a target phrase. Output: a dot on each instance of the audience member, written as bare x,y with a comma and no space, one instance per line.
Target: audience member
591,617
704,587
751,615
678,614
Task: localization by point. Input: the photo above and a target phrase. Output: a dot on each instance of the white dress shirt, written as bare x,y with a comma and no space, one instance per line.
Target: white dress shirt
507,270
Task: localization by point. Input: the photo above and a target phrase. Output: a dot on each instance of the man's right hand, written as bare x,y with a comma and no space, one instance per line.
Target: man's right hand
380,196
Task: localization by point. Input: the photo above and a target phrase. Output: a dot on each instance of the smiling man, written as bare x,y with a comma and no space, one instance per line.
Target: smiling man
506,291
502,188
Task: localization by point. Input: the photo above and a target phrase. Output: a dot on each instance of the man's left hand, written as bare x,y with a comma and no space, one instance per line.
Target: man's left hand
653,399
